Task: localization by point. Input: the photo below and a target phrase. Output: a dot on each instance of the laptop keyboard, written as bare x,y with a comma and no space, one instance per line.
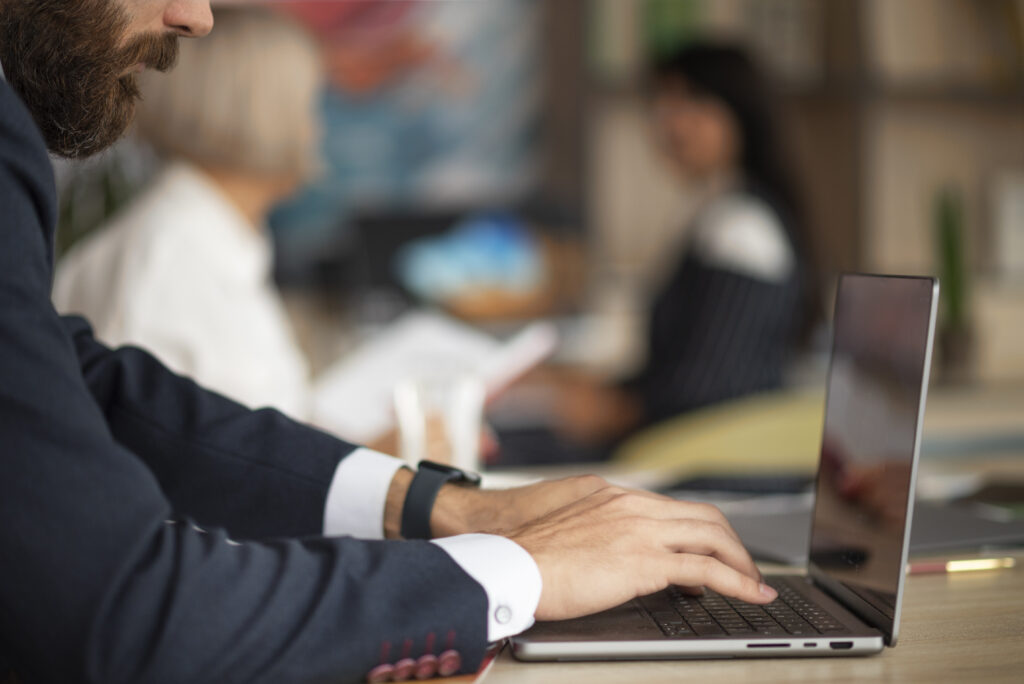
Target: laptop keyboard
683,616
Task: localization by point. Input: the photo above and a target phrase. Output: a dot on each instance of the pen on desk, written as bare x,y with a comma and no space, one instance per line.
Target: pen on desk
965,565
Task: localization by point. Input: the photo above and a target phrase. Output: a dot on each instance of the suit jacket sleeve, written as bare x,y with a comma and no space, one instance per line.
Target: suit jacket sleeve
97,452
256,473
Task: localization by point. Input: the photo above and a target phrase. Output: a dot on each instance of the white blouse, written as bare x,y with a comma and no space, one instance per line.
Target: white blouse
741,233
182,273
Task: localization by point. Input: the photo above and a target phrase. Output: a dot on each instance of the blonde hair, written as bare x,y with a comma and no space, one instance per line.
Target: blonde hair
241,99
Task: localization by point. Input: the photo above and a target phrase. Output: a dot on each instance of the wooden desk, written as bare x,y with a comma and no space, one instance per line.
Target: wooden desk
955,628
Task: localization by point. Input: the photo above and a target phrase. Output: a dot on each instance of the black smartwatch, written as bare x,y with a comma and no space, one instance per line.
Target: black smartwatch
419,500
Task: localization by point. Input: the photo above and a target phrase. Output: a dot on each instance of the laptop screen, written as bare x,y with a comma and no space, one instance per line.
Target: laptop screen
880,351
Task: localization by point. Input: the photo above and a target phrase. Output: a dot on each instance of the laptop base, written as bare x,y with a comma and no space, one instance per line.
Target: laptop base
631,632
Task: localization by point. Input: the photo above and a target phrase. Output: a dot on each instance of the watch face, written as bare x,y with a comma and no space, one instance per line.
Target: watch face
457,475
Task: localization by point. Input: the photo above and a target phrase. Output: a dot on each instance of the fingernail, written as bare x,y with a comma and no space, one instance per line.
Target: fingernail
768,592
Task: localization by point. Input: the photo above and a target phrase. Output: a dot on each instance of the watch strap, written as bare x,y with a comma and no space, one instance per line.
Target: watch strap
419,501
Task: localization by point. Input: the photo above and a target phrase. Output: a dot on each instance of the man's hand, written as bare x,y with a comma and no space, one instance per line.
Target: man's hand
459,510
614,545
598,546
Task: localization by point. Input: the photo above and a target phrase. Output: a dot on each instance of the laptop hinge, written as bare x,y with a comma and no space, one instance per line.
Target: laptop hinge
853,602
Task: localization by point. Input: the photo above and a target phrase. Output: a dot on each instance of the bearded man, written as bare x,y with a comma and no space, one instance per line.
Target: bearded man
155,532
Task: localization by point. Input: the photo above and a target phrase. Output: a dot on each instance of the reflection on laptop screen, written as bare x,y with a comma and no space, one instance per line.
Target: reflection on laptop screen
879,351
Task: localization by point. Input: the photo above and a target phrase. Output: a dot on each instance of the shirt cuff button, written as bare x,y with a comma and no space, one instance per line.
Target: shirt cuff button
503,615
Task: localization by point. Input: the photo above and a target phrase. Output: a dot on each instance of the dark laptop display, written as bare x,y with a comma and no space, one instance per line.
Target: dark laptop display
872,412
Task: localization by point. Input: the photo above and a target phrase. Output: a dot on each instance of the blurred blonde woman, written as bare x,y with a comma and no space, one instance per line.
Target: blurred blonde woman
185,270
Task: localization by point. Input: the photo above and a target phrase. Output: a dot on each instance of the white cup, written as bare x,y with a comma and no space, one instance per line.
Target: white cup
440,417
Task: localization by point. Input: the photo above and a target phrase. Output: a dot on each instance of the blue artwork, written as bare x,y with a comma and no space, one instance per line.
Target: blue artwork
485,252
428,103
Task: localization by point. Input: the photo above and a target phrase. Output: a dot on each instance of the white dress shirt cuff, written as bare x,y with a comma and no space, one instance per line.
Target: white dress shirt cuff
358,491
509,575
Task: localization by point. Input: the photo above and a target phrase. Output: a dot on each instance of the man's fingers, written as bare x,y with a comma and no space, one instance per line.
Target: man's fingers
662,508
694,570
651,504
707,539
708,513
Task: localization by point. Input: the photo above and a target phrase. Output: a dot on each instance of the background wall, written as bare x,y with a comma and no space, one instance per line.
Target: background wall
890,105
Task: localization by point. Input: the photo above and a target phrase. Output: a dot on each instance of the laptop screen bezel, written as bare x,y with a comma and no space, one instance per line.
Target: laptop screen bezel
862,608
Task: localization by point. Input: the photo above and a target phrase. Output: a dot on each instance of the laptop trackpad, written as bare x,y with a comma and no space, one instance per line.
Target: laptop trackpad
627,620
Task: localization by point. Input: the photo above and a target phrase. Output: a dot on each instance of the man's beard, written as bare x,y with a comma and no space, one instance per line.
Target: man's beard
64,58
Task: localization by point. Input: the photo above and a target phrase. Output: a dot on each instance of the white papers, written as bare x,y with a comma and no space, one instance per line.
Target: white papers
354,398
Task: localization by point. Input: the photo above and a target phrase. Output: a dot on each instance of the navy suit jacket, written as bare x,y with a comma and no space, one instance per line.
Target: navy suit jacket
100,448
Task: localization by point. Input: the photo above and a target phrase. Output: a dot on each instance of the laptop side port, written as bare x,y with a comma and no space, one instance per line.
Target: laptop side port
841,645
810,644
767,645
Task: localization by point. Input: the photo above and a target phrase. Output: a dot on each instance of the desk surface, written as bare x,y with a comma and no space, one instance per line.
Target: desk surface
966,627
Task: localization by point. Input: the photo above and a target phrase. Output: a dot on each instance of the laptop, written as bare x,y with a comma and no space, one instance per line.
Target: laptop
849,601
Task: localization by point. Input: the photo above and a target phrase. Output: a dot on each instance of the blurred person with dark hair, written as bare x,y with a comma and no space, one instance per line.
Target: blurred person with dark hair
744,293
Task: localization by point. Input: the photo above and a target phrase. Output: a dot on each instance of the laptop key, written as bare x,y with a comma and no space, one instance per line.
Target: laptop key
667,618
676,630
709,629
800,629
657,602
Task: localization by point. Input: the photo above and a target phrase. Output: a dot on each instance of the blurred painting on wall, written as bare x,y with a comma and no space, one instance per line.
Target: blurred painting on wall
426,104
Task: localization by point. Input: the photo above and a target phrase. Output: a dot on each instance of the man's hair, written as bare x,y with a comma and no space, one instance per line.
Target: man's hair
239,98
